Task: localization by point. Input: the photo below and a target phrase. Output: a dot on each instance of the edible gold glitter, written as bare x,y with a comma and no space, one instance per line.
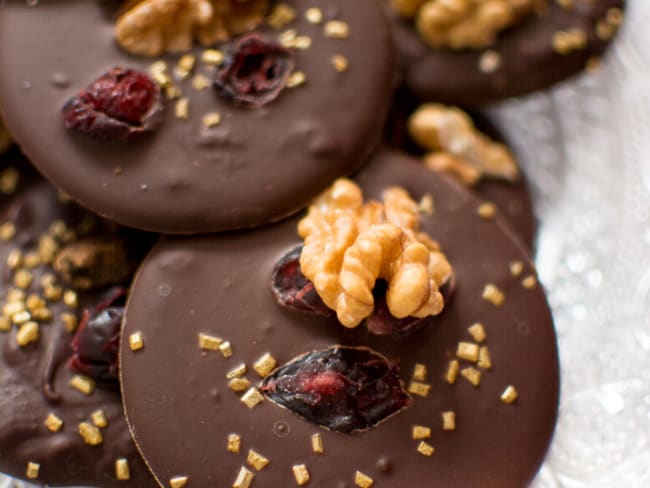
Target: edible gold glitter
425,205
5,324
53,423
52,293
32,259
516,268
340,63
99,419
468,351
208,342
212,57
244,479
22,279
234,443
419,432
83,384
178,481
420,372
136,341
493,294
418,388
90,434
256,460
484,360
239,384
472,375
28,334
71,299
211,119
363,480
317,444
15,259
425,449
122,470
449,420
529,282
252,398
487,210
296,79
185,66
7,231
20,318
43,314
226,349
237,371
200,82
509,395
281,16
264,365
301,474
337,29
314,15
452,371
182,109
477,331
69,321
32,470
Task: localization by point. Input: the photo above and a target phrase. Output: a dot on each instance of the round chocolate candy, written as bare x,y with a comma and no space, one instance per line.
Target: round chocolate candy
233,388
546,47
222,154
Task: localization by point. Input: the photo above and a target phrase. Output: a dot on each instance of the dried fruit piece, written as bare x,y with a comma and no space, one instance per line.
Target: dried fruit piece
255,71
121,104
341,388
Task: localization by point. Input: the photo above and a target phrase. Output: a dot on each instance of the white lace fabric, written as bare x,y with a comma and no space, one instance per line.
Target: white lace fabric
586,148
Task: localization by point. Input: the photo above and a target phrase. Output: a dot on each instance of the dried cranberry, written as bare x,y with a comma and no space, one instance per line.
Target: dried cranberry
345,389
255,71
119,105
96,343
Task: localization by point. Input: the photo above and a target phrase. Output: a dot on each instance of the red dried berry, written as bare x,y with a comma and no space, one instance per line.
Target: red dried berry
255,71
345,389
119,105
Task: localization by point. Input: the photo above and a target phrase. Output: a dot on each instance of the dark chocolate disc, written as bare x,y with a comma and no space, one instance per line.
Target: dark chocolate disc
182,411
35,377
524,56
256,165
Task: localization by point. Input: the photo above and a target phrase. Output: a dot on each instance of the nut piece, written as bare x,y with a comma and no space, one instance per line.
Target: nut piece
458,147
349,245
153,27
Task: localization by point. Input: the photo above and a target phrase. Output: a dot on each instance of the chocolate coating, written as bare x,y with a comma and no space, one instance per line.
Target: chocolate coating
181,411
528,61
34,380
256,166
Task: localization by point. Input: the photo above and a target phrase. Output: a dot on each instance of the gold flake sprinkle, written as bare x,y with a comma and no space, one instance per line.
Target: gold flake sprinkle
212,57
467,351
158,72
493,294
183,108
489,62
83,384
12,308
211,119
32,259
5,324
314,15
209,342
99,419
484,360
7,231
426,449
178,482
477,331
122,470
256,460
487,210
185,66
252,398
419,388
300,474
32,470
565,42
28,334
42,314
20,318
23,279
48,248
53,423
516,268
425,205
317,444
239,384
419,372
419,432
340,63
452,371
69,321
281,16
53,293
90,434
244,478
236,372
529,282
200,82
15,259
509,395
296,79
298,42
287,36
70,298
337,29
362,480
15,295
472,375
226,349
234,443
172,92
264,365
449,420
136,341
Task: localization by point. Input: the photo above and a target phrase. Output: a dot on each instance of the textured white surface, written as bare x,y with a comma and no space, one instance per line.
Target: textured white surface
586,148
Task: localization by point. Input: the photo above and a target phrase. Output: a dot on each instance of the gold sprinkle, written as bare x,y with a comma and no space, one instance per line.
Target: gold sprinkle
183,108
200,82
448,420
340,63
489,62
234,443
239,384
185,66
418,388
7,231
70,298
9,180
211,119
264,365
22,317
296,79
244,479
301,474
178,481
15,295
13,307
516,268
509,395
209,343
426,449
53,423
256,460
487,210
5,324
314,15
23,279
99,419
122,470
90,434
420,372
172,92
237,371
212,57
32,470
425,206
493,294
53,293
317,444
337,29
484,360
27,334
477,331
69,321
15,259
281,15
452,371
467,351
58,228
43,314
363,480
297,42
529,282
83,384
136,341
472,375
48,248
419,432
226,349
32,259
287,36
158,72
252,398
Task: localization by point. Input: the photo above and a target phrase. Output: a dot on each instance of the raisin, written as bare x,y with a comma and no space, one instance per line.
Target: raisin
119,105
95,345
255,71
345,389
